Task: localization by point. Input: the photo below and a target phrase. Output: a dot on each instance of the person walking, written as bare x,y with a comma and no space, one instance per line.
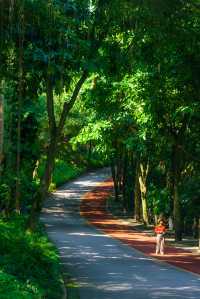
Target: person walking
160,230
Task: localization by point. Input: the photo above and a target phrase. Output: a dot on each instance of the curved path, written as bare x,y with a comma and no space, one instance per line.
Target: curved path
104,267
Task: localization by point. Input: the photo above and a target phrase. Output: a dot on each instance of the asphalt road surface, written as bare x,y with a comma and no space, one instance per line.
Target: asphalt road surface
103,267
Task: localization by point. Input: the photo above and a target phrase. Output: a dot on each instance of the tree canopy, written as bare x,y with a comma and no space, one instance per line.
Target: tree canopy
115,81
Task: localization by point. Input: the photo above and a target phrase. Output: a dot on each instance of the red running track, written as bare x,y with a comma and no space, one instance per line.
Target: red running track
93,207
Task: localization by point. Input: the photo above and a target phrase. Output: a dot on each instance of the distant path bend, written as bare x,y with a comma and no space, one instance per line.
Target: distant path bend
104,267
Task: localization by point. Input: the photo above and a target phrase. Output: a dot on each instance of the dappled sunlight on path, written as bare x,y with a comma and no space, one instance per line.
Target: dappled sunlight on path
101,265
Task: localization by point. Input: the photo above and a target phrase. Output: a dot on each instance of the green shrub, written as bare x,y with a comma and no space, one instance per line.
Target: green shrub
64,172
29,263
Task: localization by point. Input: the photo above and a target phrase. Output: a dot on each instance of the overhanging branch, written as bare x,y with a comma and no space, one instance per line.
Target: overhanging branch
50,105
68,105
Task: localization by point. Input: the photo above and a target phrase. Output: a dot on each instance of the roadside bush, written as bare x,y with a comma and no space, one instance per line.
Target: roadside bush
29,263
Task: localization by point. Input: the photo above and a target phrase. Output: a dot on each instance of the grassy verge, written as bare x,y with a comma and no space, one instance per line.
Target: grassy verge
29,263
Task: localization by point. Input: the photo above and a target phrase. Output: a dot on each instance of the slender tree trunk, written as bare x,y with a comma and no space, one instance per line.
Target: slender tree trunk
177,214
1,132
118,173
169,185
116,169
144,167
20,93
137,195
128,179
45,183
178,164
9,165
195,227
176,197
125,180
131,180
18,161
49,167
114,176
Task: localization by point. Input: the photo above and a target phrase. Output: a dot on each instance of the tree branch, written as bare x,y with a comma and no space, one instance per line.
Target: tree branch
50,105
68,105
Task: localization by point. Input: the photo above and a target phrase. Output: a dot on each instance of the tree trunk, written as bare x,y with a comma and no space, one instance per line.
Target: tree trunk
125,180
128,179
49,167
195,227
119,168
177,215
131,180
144,167
176,197
169,185
1,132
9,165
137,195
114,176
19,116
116,168
44,186
18,160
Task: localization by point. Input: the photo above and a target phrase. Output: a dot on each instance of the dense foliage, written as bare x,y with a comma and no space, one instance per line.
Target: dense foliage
29,263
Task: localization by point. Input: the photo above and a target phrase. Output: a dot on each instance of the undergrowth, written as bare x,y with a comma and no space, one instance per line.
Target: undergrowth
29,263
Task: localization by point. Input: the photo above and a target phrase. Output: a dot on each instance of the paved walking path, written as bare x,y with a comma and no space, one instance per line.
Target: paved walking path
104,267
